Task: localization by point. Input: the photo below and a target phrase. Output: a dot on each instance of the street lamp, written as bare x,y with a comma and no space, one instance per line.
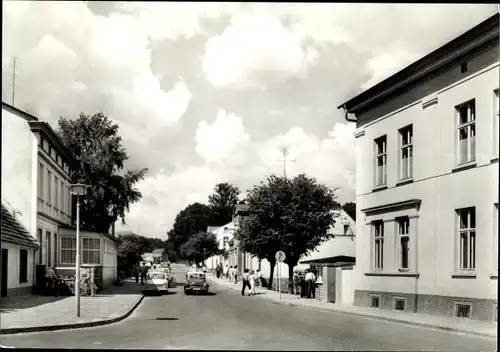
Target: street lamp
78,190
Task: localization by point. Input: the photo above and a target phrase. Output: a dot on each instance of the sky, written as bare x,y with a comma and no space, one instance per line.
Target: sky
210,92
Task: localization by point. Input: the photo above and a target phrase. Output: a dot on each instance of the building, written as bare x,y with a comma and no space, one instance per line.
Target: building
159,255
36,176
18,254
427,182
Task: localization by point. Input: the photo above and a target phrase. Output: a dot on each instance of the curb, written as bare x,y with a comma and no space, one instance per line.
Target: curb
364,315
89,324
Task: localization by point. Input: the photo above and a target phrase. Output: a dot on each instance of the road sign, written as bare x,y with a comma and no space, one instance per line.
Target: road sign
280,256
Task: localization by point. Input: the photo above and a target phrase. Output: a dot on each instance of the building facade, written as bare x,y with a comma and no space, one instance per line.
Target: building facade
36,176
427,182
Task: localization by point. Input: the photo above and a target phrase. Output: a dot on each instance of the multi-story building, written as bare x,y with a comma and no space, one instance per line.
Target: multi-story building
427,182
36,176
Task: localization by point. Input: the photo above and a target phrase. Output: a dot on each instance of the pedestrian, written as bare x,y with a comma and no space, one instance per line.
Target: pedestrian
235,270
144,273
137,270
251,279
245,279
302,285
313,286
309,283
258,278
50,276
225,272
296,281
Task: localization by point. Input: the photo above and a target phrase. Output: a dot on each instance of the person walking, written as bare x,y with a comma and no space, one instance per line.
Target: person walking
225,271
144,273
302,285
309,283
251,280
245,279
236,274
296,281
258,278
137,270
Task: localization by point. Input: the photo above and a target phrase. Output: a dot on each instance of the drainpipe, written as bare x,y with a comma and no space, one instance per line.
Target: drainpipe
346,112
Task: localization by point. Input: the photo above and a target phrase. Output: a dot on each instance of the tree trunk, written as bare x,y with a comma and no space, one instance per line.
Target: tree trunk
291,265
271,274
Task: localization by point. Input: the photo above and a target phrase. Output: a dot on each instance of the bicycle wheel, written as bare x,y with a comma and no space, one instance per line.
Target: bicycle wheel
84,290
92,289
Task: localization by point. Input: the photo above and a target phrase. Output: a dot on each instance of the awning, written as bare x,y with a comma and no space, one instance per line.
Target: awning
341,259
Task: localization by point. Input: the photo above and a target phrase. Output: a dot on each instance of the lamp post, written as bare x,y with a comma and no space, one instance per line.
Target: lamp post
78,190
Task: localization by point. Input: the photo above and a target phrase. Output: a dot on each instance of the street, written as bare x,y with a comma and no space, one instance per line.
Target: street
226,320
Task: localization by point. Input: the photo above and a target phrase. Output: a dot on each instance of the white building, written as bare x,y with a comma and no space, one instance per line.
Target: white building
36,176
427,182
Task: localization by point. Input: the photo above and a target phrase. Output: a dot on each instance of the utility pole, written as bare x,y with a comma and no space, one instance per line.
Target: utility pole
14,59
284,151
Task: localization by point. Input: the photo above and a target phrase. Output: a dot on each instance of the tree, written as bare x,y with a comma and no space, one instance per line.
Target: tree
222,202
200,246
193,219
95,144
350,209
289,215
130,250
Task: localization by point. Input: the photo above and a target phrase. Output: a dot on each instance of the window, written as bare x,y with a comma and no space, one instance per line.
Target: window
23,266
41,171
56,192
400,304
466,132
225,242
39,236
49,248
463,309
406,152
467,238
497,122
68,250
374,301
61,196
49,189
403,242
381,160
91,253
463,67
378,228
346,229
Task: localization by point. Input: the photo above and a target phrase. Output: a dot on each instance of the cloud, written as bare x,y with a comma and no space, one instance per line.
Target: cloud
252,49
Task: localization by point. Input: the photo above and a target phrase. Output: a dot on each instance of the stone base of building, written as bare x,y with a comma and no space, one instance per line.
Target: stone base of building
474,308
20,291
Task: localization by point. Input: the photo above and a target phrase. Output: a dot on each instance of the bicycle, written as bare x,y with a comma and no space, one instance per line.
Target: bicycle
88,288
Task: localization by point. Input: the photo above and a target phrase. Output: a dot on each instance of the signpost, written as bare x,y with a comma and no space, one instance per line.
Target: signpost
280,257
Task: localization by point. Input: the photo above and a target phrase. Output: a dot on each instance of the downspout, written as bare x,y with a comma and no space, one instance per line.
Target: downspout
346,112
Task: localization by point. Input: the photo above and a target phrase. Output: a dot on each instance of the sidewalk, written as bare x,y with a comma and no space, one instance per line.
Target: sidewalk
471,327
43,313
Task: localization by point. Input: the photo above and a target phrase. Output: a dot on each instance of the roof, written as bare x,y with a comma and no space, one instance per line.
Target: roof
13,231
158,251
48,132
16,111
485,32
241,208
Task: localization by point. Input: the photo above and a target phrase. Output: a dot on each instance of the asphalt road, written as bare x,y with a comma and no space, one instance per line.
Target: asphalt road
226,320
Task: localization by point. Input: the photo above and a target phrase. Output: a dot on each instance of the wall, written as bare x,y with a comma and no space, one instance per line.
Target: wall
14,287
18,152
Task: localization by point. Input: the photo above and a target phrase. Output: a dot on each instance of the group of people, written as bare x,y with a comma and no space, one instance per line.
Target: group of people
249,279
304,283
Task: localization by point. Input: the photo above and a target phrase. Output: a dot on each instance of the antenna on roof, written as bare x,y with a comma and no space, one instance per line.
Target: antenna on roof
284,151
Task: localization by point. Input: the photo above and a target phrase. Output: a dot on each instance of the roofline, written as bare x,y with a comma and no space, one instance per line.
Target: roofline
23,114
48,131
424,66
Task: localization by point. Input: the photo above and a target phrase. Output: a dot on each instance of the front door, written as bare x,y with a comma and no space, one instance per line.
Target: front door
5,255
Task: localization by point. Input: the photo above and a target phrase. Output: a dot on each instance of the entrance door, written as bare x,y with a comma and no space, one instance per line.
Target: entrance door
5,254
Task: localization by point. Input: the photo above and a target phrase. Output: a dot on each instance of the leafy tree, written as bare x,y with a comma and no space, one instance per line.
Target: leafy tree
350,209
193,219
200,246
289,215
222,202
97,147
131,247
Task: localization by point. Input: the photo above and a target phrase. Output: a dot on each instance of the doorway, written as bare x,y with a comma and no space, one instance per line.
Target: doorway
5,255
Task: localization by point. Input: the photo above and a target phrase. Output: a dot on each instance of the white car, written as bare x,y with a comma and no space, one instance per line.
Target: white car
157,282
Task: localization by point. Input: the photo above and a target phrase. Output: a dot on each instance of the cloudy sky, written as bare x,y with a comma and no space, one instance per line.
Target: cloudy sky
207,93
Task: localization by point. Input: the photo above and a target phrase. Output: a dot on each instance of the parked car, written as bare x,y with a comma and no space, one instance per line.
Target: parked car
196,282
157,282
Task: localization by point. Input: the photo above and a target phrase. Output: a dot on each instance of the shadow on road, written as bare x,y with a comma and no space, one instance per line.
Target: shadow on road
10,304
169,319
167,293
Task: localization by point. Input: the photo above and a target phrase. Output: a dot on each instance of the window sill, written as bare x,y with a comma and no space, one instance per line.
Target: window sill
494,160
464,275
393,274
464,166
379,188
23,281
494,275
404,182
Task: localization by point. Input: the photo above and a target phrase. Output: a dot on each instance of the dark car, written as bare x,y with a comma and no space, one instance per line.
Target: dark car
195,282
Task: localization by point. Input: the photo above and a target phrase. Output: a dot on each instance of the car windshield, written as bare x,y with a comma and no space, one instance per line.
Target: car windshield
157,276
196,276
